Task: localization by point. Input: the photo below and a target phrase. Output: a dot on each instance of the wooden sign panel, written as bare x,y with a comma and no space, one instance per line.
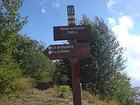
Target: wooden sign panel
64,51
80,32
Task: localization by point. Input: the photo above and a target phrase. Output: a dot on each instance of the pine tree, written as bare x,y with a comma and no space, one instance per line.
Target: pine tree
106,60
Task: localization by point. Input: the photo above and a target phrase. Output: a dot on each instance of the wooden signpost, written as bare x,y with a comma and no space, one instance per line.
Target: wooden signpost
72,51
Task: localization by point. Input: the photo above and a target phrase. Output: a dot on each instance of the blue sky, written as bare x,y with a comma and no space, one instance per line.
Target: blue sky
121,15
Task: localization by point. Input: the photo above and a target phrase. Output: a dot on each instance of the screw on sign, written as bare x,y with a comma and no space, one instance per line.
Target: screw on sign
64,51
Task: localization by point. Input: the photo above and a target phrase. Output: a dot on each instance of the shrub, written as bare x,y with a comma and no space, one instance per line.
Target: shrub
87,96
65,89
8,76
24,83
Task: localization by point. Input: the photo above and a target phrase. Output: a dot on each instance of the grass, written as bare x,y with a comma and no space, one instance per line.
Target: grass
48,97
34,97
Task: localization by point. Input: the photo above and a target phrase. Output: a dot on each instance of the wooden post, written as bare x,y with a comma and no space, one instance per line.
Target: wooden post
75,64
76,81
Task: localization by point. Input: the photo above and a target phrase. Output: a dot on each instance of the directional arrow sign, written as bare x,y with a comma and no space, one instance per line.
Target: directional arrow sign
64,51
79,32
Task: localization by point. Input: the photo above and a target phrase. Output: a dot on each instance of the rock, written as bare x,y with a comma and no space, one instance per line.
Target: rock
62,95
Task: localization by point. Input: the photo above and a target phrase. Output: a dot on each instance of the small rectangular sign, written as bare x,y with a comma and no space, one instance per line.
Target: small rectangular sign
64,51
70,10
80,32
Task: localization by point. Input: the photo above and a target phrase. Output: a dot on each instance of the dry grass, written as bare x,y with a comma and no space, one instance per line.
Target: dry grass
25,83
48,97
95,100
34,97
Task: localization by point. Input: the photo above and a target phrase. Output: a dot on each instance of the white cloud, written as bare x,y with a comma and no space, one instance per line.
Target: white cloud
126,22
56,4
121,13
121,27
111,4
112,21
43,10
43,6
43,2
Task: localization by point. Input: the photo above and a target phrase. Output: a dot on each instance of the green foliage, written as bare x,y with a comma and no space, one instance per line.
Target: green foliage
24,83
8,76
106,60
104,69
19,50
10,24
61,68
122,88
32,61
65,89
19,55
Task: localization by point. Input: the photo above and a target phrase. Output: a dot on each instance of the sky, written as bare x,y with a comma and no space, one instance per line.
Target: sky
122,16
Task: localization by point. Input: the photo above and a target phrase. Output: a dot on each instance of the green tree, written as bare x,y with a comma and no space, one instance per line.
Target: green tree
31,60
19,55
106,57
105,68
10,24
62,73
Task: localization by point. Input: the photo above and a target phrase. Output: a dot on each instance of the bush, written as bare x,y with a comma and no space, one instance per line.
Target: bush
65,89
11,80
87,96
8,76
25,83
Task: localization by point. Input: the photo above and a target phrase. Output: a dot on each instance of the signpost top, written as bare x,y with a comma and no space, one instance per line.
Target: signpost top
70,10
